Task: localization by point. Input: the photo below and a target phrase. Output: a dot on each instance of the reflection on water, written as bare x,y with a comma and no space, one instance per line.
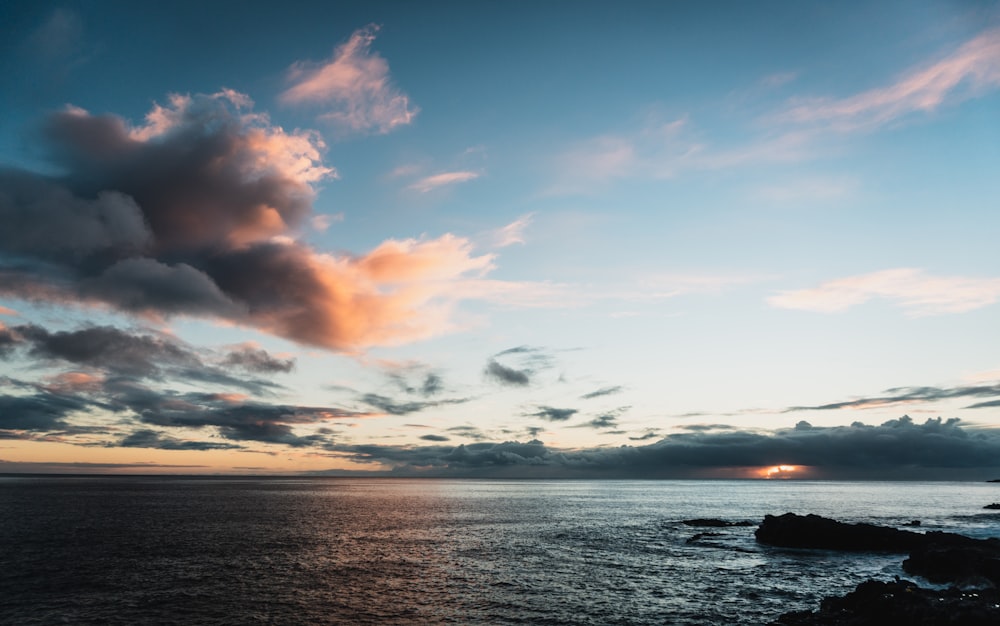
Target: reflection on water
350,551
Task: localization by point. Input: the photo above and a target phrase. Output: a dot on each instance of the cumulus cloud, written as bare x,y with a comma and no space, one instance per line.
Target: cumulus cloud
353,88
193,212
918,293
898,448
965,73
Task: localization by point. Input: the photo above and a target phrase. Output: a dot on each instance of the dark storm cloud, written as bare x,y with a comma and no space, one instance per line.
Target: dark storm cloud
606,391
506,375
903,395
900,448
394,407
553,414
151,355
153,439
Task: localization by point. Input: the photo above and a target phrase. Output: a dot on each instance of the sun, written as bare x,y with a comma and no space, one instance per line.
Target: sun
779,471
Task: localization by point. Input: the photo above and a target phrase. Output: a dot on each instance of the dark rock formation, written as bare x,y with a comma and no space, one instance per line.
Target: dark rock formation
875,603
995,505
812,531
714,523
962,565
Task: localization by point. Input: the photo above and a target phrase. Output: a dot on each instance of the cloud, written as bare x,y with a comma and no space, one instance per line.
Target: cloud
154,439
393,407
252,359
909,395
512,233
604,391
898,448
354,88
553,414
192,213
918,293
234,418
152,355
605,420
971,70
434,438
39,412
444,179
506,375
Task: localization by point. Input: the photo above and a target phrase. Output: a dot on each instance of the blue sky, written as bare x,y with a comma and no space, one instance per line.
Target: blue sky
657,239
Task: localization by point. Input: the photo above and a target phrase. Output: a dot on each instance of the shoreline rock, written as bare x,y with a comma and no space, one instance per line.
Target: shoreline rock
875,603
938,557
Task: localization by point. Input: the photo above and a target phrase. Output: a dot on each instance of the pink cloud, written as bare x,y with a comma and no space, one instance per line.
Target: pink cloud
430,183
916,292
354,86
512,233
965,73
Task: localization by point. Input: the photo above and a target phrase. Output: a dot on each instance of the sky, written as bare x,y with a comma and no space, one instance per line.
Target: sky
514,239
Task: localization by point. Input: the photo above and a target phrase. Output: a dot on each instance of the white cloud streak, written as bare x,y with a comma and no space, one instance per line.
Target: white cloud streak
916,292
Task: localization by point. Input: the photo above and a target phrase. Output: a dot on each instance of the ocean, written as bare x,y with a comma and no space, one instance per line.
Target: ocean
227,551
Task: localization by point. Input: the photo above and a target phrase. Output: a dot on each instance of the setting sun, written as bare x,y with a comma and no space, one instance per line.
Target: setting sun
779,471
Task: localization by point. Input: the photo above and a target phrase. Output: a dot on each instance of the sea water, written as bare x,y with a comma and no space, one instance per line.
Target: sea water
146,550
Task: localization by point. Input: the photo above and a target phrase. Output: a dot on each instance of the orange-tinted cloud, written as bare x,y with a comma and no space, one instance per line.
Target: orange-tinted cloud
353,87
195,213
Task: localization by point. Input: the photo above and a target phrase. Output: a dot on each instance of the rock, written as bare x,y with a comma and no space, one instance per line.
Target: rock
900,602
812,531
714,523
995,505
962,565
915,522
937,556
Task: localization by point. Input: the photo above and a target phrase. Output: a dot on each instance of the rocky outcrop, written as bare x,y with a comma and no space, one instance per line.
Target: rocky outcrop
812,531
875,603
936,556
995,505
713,523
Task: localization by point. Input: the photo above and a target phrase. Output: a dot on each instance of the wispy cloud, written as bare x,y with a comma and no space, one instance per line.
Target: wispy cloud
918,293
965,73
444,179
512,233
354,87
911,395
